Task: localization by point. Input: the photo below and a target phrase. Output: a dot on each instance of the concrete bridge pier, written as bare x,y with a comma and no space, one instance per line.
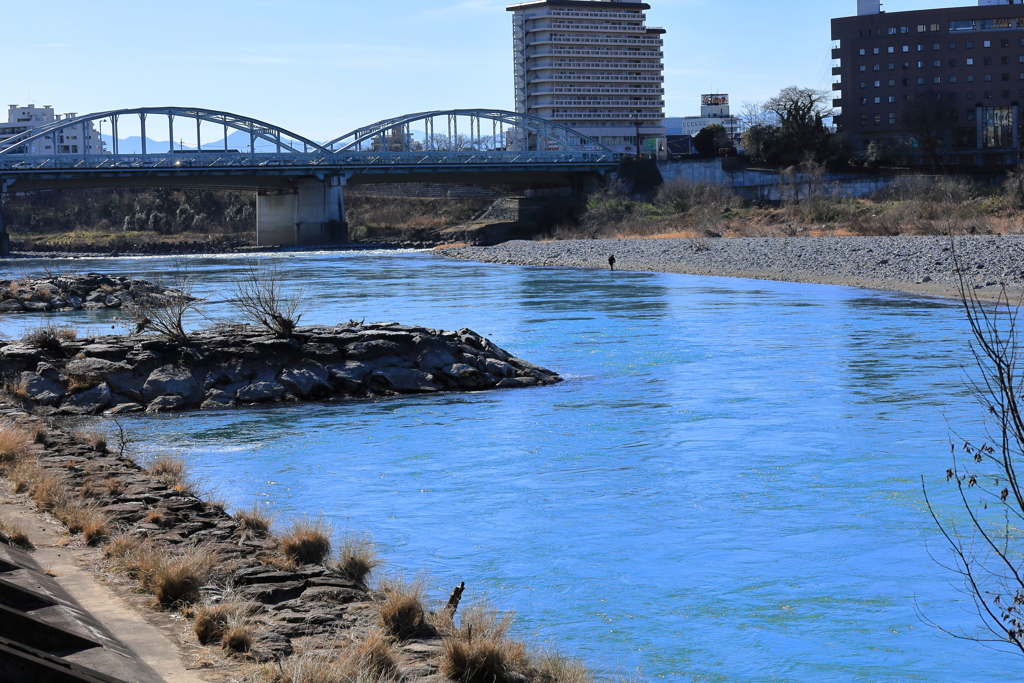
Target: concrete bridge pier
312,214
5,239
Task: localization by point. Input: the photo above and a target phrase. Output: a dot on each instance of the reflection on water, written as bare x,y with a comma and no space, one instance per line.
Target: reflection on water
724,489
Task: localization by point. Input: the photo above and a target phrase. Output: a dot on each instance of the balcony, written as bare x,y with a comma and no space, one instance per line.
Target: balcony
575,78
837,70
627,118
837,86
575,52
597,90
594,64
626,104
596,41
837,53
837,102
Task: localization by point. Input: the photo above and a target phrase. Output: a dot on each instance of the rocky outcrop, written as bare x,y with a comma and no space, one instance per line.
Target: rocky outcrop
236,366
90,291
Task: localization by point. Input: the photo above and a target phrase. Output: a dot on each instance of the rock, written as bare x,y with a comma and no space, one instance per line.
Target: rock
124,408
518,382
272,593
48,371
258,392
467,376
269,646
172,380
498,368
435,359
321,352
374,349
166,403
231,372
87,402
218,399
95,368
107,351
335,594
11,306
307,380
402,380
23,353
350,373
253,575
36,305
42,389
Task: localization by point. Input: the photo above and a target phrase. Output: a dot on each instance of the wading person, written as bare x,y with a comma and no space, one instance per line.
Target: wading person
611,262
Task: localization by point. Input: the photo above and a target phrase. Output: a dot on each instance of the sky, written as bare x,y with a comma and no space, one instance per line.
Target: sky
323,67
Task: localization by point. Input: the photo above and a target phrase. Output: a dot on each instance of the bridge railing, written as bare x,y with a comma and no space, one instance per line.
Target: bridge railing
183,162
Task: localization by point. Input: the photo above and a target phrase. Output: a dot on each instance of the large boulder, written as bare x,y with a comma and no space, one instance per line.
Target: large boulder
95,368
259,392
374,349
402,380
42,390
172,380
434,359
468,377
306,380
88,402
349,374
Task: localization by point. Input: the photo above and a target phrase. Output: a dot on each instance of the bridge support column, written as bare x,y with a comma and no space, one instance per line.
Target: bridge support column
313,215
5,239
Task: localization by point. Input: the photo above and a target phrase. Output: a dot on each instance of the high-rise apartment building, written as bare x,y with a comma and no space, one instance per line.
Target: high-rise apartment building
961,68
72,140
594,66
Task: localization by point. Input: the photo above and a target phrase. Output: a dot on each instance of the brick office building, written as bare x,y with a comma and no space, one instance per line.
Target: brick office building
967,62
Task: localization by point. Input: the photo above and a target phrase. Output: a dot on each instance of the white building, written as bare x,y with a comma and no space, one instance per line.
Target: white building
594,66
78,139
714,108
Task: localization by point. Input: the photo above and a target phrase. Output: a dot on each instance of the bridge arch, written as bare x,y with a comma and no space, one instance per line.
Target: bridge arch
509,130
283,140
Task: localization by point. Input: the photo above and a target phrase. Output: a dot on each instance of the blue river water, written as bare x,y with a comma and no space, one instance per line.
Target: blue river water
725,488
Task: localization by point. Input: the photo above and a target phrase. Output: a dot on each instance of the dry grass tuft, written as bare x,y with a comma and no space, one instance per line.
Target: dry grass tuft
15,444
95,440
13,533
88,520
553,668
255,518
238,635
371,660
156,516
357,557
211,619
403,614
175,579
306,541
479,650
173,472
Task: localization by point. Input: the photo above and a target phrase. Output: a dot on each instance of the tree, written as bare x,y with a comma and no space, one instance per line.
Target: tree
987,545
790,127
164,311
927,123
711,139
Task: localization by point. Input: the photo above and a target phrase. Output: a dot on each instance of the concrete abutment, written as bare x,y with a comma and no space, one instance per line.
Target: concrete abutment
312,214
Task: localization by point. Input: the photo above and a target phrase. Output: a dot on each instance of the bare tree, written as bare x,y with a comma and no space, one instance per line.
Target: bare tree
987,542
924,118
263,299
163,312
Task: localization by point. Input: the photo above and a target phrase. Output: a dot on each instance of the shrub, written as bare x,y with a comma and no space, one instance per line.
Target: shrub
50,336
15,444
88,520
553,668
264,299
238,635
210,620
95,440
172,470
371,660
175,579
357,557
403,614
13,533
306,541
255,518
479,650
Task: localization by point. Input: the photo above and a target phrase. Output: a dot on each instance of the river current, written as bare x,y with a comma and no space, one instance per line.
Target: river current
725,488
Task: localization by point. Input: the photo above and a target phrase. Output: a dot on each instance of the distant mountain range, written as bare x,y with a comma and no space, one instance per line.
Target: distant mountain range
237,141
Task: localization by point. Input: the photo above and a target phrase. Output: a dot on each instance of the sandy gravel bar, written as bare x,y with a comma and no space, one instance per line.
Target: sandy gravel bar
922,265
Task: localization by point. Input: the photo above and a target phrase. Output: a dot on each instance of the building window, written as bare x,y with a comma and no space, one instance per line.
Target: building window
920,48
952,62
892,118
892,82
921,28
863,67
920,81
863,119
904,29
878,119
906,48
891,49
952,79
988,95
878,100
878,84
970,114
987,43
906,81
891,66
906,65
970,94
876,67
997,127
920,65
1005,93
952,46
862,52
987,78
892,99
934,27
970,78
970,44
987,61
874,51
892,31
970,61
937,80
1004,77
863,84
935,46
952,114
863,100
937,62
1005,42
1004,60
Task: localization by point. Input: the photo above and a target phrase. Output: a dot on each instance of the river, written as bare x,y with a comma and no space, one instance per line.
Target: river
725,488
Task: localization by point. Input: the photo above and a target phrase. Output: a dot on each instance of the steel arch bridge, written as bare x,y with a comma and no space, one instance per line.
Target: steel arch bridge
299,180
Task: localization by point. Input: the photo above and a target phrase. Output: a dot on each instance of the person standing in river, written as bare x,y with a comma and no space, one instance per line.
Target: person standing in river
611,262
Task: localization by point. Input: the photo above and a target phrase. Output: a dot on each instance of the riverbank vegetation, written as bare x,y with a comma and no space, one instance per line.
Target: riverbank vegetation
910,206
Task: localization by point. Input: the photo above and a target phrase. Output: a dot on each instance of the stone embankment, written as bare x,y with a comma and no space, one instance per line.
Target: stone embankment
90,291
919,264
233,366
288,601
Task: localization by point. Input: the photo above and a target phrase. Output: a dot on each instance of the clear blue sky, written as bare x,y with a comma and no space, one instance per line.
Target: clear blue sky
323,67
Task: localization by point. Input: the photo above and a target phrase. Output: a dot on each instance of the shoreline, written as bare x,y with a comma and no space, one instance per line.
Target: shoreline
920,265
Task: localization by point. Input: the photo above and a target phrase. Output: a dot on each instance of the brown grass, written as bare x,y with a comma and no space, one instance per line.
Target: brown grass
172,470
357,557
211,619
173,577
403,614
157,516
371,660
306,541
238,635
88,520
92,438
15,444
255,518
13,533
479,650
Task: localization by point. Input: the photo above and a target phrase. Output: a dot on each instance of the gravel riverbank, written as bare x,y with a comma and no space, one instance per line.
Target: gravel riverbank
922,265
